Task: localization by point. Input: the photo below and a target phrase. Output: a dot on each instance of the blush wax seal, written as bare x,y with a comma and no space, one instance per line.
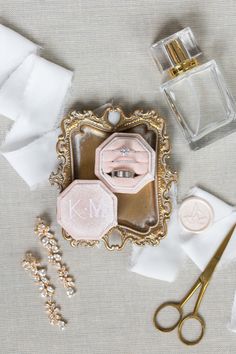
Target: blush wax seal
195,214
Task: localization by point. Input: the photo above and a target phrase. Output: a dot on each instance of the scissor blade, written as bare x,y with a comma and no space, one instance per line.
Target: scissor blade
207,273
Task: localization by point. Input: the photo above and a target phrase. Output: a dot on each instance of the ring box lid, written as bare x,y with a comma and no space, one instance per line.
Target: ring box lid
87,209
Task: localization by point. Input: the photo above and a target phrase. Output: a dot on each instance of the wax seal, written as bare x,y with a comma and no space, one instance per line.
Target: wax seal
195,214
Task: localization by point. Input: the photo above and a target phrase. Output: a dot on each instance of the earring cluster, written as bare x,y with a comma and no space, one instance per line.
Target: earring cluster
33,266
49,242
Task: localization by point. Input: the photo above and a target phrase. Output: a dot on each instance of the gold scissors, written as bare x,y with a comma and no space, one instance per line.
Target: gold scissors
202,282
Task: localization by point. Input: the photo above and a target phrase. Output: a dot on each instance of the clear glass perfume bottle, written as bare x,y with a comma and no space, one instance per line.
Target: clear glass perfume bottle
197,94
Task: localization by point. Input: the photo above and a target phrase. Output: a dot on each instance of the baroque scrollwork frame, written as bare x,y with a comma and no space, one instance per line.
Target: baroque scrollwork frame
75,122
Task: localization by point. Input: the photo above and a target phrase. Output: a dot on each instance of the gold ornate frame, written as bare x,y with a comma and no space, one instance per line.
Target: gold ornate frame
75,122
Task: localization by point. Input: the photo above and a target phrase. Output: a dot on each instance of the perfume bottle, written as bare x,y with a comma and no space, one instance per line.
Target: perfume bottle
197,94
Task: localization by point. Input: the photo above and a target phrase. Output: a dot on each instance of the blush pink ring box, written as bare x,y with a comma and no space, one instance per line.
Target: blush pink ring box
87,209
125,163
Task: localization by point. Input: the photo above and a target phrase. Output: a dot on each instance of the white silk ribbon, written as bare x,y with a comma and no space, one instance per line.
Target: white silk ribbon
32,94
164,261
198,247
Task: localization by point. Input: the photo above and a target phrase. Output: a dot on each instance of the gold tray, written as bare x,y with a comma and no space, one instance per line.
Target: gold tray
142,217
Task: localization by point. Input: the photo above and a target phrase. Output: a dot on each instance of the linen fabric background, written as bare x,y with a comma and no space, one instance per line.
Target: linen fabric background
107,43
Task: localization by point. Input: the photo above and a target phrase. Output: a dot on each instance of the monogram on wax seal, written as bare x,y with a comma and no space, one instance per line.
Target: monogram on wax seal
87,209
195,214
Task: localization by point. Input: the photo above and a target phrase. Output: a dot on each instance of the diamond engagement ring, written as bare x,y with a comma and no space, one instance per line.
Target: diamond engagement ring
124,151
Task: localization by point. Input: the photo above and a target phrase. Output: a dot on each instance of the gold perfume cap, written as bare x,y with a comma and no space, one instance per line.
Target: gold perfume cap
177,53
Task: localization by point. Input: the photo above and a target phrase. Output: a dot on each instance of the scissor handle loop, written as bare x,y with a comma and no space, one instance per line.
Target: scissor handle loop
183,321
175,305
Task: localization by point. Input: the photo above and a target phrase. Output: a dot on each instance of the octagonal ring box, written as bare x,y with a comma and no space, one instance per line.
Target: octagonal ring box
87,209
129,154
